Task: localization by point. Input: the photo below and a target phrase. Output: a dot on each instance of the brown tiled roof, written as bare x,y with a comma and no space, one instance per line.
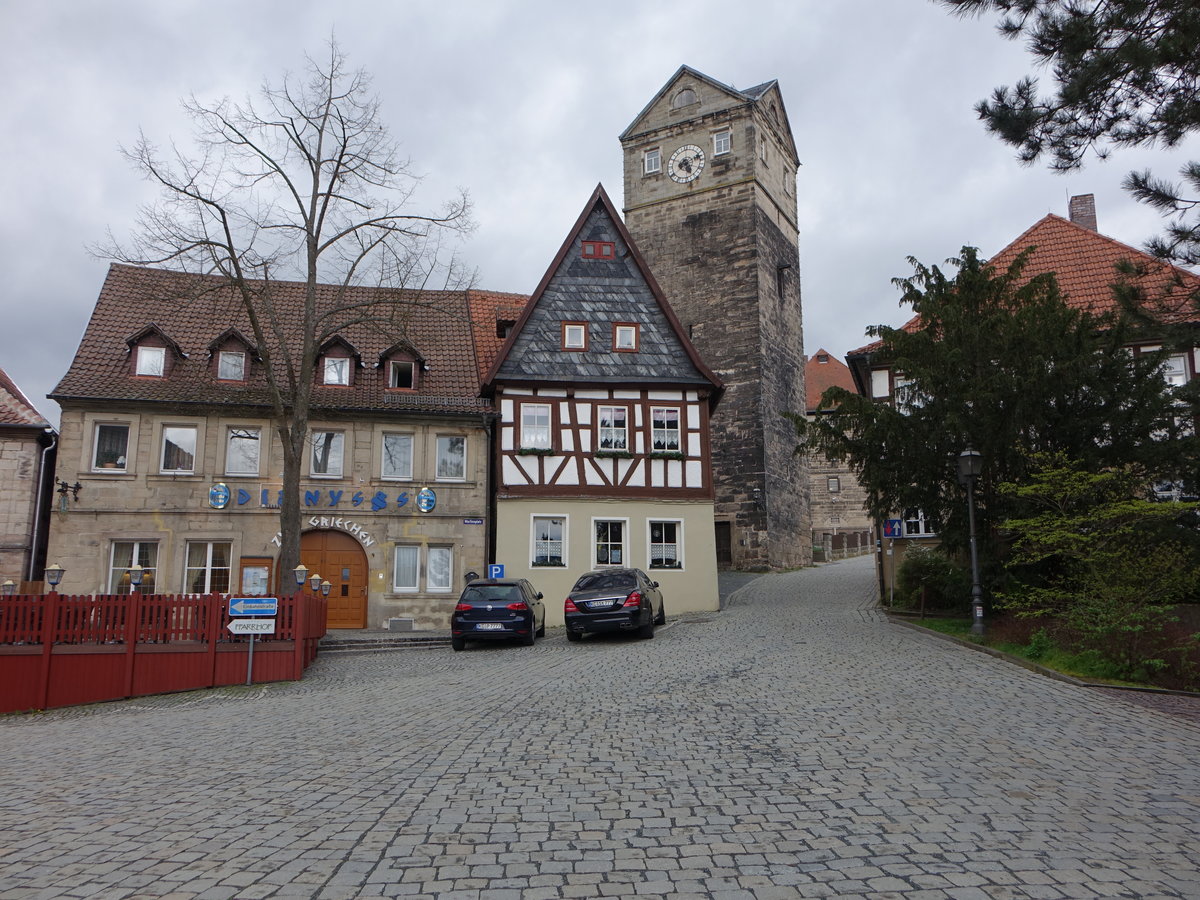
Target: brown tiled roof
193,310
822,371
1084,262
15,408
488,308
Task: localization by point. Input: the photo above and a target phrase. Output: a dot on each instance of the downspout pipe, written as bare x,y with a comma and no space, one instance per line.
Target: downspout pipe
40,504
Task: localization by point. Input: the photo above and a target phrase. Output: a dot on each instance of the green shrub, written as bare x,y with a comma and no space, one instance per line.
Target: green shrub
945,583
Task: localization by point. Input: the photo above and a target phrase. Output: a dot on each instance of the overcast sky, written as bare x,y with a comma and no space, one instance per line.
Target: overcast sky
521,102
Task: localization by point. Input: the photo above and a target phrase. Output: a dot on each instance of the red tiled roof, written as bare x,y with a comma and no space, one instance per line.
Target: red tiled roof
15,408
822,371
193,310
1084,262
488,308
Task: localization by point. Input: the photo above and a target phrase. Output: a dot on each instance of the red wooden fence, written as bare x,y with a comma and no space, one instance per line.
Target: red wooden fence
58,650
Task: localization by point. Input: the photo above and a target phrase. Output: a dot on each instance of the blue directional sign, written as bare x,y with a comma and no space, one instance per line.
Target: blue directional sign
893,528
495,570
253,606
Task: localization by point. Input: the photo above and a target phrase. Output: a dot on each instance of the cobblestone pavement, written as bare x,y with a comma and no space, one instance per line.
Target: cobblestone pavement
794,745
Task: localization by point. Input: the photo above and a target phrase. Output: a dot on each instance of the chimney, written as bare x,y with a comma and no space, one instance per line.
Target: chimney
1083,211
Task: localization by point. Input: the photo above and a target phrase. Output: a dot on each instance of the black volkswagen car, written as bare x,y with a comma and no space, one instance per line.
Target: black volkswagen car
614,600
498,609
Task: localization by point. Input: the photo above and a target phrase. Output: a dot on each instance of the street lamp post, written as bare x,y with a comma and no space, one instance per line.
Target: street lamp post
136,574
970,467
54,575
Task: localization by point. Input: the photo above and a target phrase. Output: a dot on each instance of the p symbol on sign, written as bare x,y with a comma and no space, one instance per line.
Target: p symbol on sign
495,570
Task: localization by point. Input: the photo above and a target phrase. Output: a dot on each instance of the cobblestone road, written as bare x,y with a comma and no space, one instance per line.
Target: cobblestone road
794,745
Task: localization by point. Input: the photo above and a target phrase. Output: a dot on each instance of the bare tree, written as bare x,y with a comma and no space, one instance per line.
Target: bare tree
307,186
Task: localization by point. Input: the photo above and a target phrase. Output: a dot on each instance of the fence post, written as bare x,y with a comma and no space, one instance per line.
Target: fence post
212,633
133,618
299,631
49,629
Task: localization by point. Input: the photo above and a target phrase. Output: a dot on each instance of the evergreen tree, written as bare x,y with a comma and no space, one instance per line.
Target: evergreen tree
1000,363
1126,74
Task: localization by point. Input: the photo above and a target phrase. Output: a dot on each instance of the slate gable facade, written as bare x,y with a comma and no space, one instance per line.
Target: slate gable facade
602,443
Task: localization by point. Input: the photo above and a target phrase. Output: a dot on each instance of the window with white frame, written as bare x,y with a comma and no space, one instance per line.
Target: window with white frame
151,361
625,338
917,525
549,535
178,449
1175,370
337,370
666,544
833,483
398,456
664,429
406,572
242,450
652,162
402,374
327,451
110,447
610,542
722,143
439,567
907,396
535,426
126,554
451,458
574,336
231,366
613,425
208,567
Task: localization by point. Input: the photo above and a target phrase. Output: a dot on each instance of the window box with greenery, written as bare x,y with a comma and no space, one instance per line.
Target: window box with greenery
666,454
613,454
535,451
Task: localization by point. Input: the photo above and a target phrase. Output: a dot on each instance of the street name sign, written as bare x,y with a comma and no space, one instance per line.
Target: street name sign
253,606
252,626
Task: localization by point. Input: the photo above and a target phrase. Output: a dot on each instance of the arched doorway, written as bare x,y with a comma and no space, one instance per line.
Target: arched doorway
339,559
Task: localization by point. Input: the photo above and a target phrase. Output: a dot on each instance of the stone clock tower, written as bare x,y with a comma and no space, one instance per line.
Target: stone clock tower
710,200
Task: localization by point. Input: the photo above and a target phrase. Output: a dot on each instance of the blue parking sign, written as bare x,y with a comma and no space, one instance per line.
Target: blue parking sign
495,570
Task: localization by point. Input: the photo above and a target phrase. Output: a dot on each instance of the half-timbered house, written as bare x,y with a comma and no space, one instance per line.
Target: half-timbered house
602,444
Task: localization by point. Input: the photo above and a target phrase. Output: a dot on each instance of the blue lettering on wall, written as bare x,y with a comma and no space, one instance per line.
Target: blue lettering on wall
379,501
312,498
243,497
335,497
402,499
358,498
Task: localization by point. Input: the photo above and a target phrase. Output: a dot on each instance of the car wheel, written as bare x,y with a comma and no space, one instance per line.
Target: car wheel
541,632
531,637
646,631
662,615
574,636
457,643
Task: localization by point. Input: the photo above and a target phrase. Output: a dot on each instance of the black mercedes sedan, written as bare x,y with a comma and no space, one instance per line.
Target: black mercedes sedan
617,599
498,609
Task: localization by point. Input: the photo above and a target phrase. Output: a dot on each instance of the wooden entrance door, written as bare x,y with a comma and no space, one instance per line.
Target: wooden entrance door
339,559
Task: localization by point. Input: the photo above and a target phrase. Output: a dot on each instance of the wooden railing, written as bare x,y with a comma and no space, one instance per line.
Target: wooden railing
65,650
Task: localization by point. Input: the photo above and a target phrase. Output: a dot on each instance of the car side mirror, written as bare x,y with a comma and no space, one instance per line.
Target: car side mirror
539,595
654,584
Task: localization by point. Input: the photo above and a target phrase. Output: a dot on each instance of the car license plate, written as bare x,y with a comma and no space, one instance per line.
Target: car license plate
599,604
490,626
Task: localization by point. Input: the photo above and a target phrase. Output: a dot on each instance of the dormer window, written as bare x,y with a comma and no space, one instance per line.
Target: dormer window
625,338
574,335
504,327
598,249
231,365
402,375
337,370
151,361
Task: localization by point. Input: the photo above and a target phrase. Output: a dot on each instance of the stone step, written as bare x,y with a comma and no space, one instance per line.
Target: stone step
381,644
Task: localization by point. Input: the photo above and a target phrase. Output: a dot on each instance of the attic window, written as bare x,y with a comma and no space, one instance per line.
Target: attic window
598,249
231,366
337,370
402,374
574,335
504,327
686,97
151,361
625,338
822,358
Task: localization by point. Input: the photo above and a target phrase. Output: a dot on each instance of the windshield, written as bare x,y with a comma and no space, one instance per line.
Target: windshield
606,581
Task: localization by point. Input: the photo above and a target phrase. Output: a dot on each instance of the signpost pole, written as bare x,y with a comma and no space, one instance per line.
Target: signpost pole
250,661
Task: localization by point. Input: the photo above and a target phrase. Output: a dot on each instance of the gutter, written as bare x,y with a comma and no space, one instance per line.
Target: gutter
39,504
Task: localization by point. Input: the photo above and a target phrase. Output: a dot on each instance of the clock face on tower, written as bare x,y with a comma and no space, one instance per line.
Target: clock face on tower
686,164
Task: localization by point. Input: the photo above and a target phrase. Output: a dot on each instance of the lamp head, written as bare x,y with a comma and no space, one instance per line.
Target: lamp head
314,582
54,574
301,573
136,573
970,466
